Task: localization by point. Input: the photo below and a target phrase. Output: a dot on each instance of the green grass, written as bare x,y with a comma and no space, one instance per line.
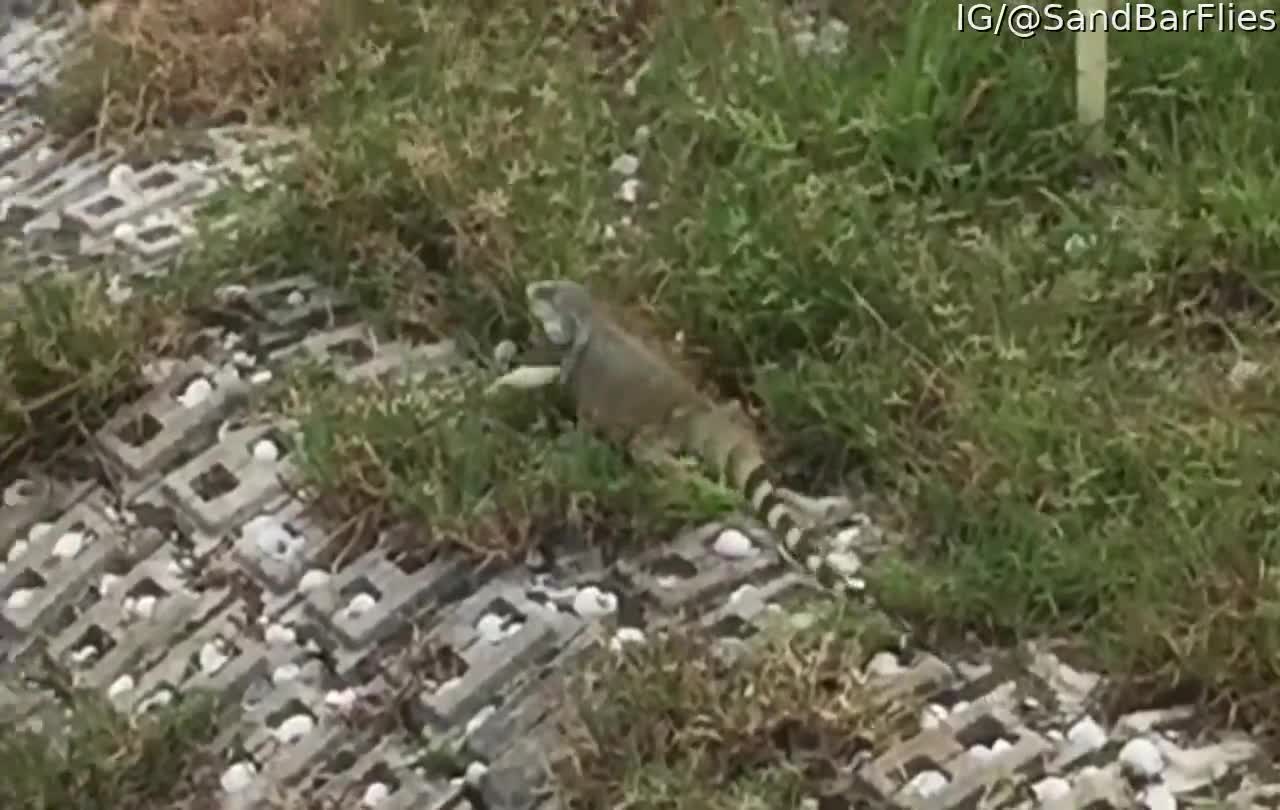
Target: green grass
900,255
897,254
69,355
103,759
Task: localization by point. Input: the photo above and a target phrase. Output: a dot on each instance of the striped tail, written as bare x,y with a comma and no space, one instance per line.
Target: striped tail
735,453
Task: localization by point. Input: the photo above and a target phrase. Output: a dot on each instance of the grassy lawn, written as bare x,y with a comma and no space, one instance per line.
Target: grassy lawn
1057,373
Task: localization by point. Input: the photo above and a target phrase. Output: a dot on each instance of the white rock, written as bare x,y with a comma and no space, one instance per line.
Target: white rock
212,658
238,777
265,450
360,604
475,772
734,545
884,664
16,550
340,699
489,628
374,795
38,531
629,190
161,697
1242,372
591,602
122,180
1000,746
1158,797
260,377
85,653
625,636
69,545
19,492
1141,757
313,580
744,592
448,685
1087,735
980,752
926,783
296,298
120,686
273,540
196,392
285,673
1050,789
107,583
625,164
933,714
479,719
20,598
144,607
279,634
294,729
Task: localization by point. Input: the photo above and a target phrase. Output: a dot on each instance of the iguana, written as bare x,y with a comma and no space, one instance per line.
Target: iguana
633,395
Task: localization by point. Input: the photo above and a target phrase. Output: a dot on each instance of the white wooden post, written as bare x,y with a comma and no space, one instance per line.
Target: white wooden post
1091,73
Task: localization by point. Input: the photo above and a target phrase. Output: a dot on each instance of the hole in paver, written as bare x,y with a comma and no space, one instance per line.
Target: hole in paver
26,489
147,587
382,773
440,663
1100,804
49,186
289,709
97,638
918,765
29,580
160,178
353,349
139,430
157,233
339,764
214,482
985,731
276,298
358,586
106,205
672,565
734,627
505,609
117,564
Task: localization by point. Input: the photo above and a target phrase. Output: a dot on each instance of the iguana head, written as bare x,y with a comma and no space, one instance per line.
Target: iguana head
563,308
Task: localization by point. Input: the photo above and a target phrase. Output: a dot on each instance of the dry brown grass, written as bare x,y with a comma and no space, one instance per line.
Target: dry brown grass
152,63
769,729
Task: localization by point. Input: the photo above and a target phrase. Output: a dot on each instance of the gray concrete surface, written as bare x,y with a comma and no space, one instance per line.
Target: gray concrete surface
194,568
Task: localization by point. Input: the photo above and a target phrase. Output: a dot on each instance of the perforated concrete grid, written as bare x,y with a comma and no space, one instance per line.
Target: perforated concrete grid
198,570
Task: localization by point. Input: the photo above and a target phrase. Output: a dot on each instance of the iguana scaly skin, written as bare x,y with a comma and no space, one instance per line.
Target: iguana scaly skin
636,397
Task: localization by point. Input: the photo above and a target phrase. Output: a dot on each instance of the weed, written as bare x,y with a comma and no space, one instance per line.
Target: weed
104,759
149,64
767,729
69,355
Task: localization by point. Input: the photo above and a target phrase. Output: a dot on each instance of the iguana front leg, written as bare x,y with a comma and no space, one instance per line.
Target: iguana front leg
535,367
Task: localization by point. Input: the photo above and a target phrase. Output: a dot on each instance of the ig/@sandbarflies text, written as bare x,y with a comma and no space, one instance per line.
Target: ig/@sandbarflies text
1025,20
